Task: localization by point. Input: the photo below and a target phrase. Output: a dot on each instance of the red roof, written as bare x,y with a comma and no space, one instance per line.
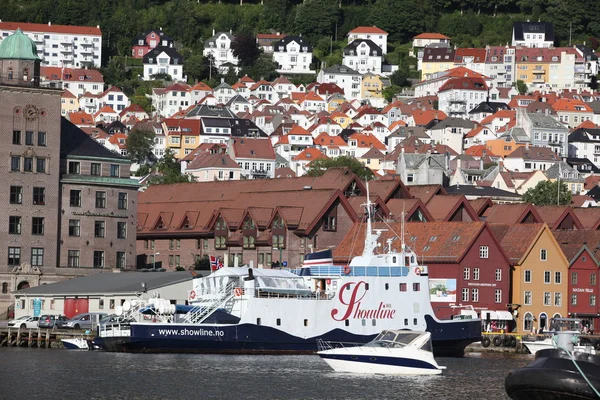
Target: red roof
431,36
41,28
368,29
478,151
366,141
269,36
310,154
71,74
464,84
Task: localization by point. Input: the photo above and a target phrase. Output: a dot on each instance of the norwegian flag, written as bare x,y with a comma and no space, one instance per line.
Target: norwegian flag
215,263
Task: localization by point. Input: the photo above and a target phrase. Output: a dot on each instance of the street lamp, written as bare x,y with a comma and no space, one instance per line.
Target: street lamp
154,260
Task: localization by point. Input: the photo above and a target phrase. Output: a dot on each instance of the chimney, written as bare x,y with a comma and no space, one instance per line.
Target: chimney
222,79
527,146
49,23
98,26
214,32
547,112
230,32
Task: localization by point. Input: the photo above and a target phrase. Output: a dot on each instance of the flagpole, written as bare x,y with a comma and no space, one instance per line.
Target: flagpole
558,185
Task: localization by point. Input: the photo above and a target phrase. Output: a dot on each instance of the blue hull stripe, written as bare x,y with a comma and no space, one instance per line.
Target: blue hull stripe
393,361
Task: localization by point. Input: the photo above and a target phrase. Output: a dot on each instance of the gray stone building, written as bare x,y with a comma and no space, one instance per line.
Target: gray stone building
36,146
423,169
544,131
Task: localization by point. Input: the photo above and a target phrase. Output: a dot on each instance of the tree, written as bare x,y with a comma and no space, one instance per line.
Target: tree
262,69
196,67
139,145
246,49
400,77
170,171
318,167
546,193
401,19
316,18
521,87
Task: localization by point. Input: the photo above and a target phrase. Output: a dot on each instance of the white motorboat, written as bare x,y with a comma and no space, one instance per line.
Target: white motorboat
76,344
560,326
397,352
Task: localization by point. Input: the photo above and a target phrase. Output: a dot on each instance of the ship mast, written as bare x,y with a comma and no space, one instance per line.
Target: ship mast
370,237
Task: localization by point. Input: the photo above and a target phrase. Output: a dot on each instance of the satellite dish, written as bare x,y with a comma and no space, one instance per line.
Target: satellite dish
133,303
119,310
126,306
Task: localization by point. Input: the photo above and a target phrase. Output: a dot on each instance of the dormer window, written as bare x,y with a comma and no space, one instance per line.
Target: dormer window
248,223
220,224
278,222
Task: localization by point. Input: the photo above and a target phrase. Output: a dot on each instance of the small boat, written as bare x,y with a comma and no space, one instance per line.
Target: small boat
562,372
397,352
571,326
76,344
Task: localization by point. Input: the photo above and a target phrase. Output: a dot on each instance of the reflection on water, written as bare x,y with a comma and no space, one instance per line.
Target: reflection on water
68,374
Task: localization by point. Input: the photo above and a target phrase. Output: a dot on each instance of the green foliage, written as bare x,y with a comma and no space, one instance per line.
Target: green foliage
317,18
196,67
401,19
263,68
139,145
521,87
170,172
546,193
318,167
390,92
202,264
246,49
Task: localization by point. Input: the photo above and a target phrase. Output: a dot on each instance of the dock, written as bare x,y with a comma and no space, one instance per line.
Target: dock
39,338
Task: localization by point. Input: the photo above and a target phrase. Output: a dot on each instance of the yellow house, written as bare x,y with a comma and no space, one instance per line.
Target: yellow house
539,274
68,103
535,65
372,86
334,102
183,135
372,159
436,59
341,118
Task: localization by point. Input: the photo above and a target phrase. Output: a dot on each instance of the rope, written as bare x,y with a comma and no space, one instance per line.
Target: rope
555,343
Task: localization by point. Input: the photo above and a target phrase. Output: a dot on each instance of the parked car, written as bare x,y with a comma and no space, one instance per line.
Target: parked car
85,321
24,322
51,321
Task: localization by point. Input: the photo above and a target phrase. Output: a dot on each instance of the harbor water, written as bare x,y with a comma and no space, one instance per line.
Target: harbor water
69,374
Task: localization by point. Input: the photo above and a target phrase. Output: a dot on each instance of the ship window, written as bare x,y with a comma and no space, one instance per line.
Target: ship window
366,286
414,321
373,358
416,287
257,321
347,323
278,321
305,322
364,322
374,321
387,286
403,287
405,321
354,357
394,260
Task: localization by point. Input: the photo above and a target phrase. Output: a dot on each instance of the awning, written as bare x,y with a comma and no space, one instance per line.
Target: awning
496,315
491,315
504,315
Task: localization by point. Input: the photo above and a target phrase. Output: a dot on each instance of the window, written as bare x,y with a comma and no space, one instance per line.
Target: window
15,163
98,259
75,198
498,296
527,277
475,295
483,251
476,274
465,294
466,273
543,254
37,226
111,304
74,167
4,287
403,287
121,230
329,224
592,299
28,164
114,170
40,165
14,255
593,279
101,304
73,258
527,298
122,202
248,242
416,287
557,277
37,256
220,242
557,299
498,274
14,225
100,199
16,195
96,169
573,299
99,229
74,227
29,138
574,278
41,138
16,137
120,259
547,299
39,196
547,277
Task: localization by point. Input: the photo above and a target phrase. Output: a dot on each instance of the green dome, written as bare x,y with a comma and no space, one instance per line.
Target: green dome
18,46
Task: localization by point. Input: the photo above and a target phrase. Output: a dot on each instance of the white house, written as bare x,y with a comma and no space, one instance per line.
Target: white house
364,56
378,36
61,45
76,80
114,98
458,96
163,60
255,156
345,77
531,158
585,143
533,34
293,54
219,48
450,132
167,101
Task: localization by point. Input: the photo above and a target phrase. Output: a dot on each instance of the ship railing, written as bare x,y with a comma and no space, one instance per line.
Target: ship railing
376,271
114,330
326,295
202,311
323,345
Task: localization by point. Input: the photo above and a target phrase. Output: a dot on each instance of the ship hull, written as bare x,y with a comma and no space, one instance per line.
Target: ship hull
449,338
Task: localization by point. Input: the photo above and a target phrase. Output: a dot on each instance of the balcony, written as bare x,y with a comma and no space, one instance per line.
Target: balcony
538,71
86,51
538,80
66,40
38,39
86,43
66,50
259,173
